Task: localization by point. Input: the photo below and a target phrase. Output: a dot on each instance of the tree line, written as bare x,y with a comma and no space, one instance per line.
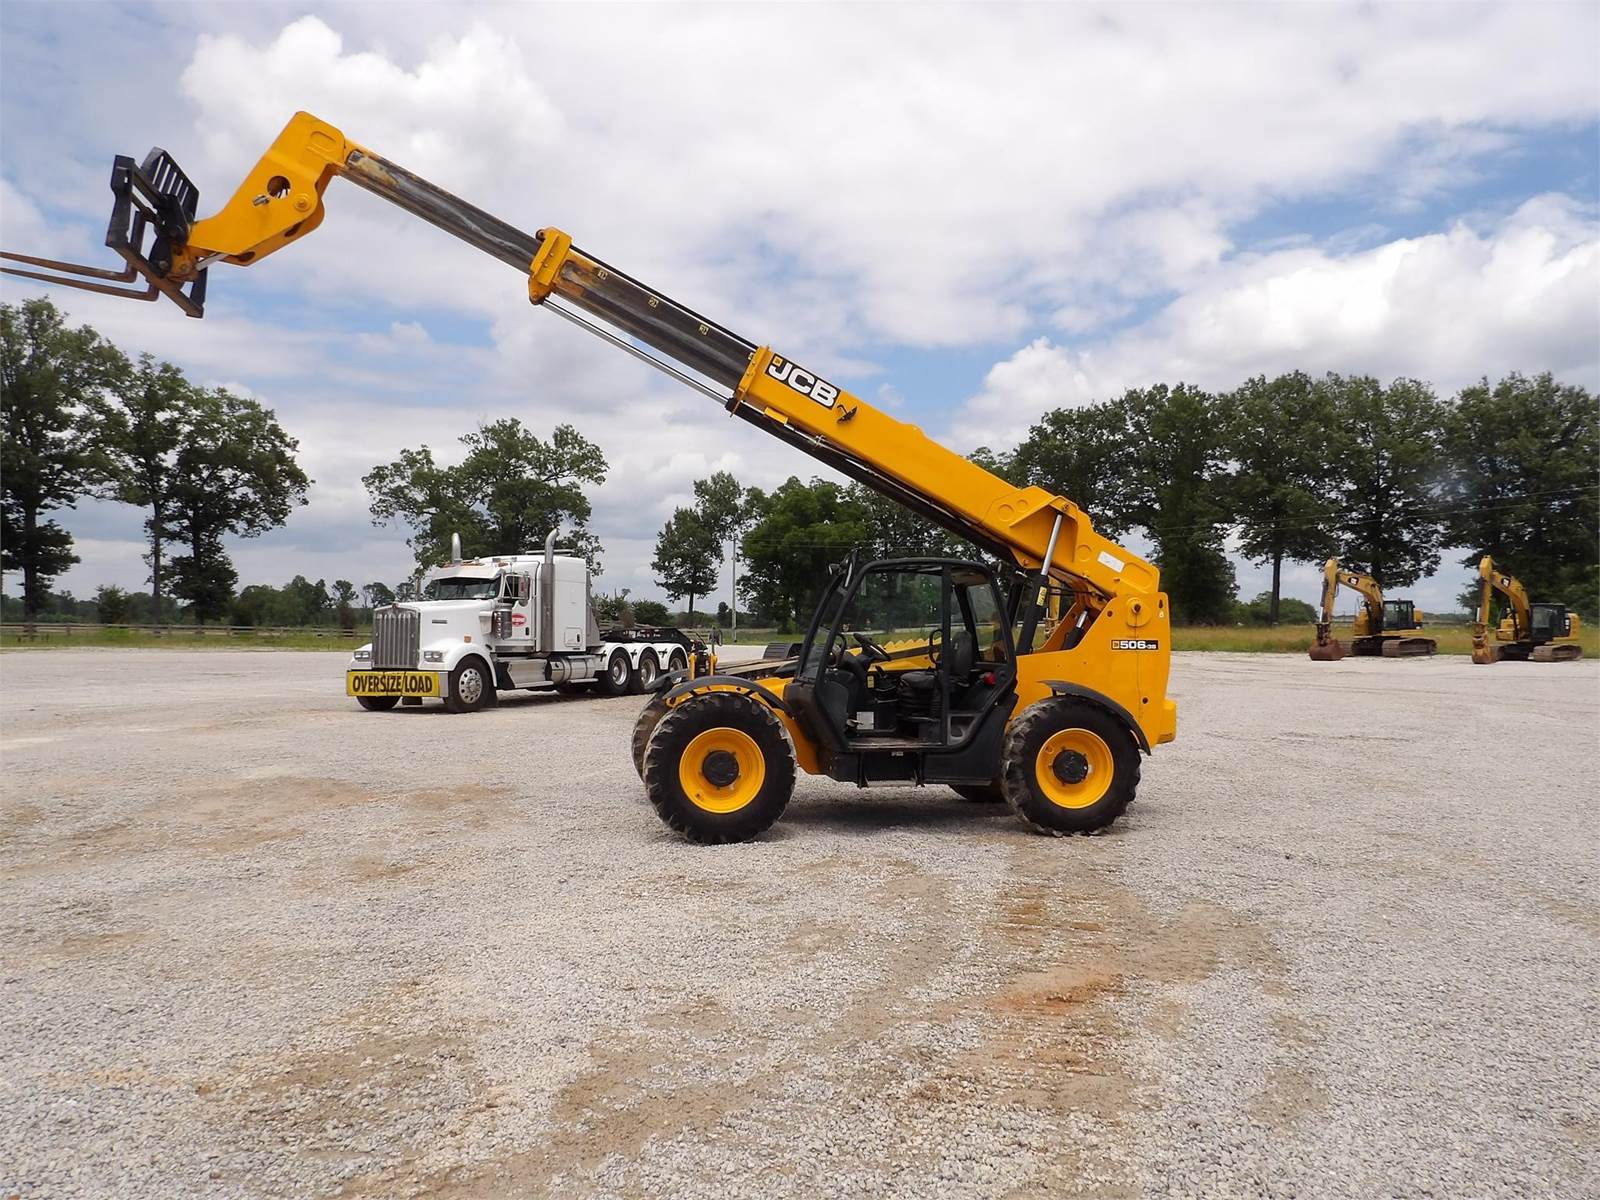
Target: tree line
81,419
1288,469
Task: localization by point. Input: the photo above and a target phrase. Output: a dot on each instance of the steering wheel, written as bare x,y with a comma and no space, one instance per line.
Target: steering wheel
874,651
934,651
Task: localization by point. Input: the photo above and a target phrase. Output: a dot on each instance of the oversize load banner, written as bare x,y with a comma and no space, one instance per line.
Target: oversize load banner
391,683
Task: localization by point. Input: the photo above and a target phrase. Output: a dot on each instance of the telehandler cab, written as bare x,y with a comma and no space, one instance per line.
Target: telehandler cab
964,684
1527,632
1386,627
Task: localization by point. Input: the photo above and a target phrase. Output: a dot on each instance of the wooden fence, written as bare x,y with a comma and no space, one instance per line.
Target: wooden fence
65,630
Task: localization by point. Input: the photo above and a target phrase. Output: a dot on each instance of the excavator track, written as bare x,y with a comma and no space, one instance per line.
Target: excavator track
1553,652
1393,647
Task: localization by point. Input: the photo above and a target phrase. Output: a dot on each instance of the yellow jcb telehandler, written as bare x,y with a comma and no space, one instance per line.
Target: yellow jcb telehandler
1527,632
913,671
1386,627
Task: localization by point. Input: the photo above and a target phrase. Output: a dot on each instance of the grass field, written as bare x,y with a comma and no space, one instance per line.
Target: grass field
1452,639
62,637
1248,639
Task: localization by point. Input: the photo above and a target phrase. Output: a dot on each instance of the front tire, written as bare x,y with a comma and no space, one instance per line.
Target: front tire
377,703
718,768
618,677
644,679
1069,767
470,687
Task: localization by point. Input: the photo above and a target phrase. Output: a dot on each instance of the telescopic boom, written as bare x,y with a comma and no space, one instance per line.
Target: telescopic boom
155,231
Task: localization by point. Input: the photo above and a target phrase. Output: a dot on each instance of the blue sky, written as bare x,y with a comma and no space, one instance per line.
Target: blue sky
968,215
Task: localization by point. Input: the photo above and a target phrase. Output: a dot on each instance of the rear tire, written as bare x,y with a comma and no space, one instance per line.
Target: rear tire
643,728
718,768
1069,767
644,679
470,686
677,662
377,703
618,677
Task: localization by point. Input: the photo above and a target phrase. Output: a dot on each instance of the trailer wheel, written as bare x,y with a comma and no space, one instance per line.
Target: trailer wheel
718,768
677,662
377,703
644,678
1069,767
618,677
470,686
644,727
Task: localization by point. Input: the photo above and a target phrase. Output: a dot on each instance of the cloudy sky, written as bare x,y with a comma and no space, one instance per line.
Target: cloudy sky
968,215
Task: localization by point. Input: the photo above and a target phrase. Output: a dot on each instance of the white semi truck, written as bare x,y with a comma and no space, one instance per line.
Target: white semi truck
502,623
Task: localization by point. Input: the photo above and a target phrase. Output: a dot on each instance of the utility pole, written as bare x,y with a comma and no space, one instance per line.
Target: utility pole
733,591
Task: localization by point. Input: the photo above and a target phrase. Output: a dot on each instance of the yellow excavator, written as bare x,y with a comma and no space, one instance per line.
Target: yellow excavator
1527,632
1386,627
914,671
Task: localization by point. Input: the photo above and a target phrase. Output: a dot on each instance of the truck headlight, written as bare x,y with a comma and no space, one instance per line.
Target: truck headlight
362,656
433,656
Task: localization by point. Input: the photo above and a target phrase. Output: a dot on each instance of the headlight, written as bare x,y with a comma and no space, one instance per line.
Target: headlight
362,656
433,656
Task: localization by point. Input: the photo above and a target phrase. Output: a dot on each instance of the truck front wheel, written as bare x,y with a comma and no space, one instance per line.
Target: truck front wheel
470,687
377,703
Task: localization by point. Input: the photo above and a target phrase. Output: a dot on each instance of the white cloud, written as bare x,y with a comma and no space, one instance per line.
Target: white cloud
1447,307
836,179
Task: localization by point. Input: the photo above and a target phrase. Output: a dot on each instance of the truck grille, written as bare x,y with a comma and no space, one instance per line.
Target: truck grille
396,637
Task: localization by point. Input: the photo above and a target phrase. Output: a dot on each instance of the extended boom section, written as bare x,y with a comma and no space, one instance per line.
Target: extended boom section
996,668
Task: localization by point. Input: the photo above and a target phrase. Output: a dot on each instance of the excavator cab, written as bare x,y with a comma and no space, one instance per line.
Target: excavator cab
908,673
1547,622
1400,616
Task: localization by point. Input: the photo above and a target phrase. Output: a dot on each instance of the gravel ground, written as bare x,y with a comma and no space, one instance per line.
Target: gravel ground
261,943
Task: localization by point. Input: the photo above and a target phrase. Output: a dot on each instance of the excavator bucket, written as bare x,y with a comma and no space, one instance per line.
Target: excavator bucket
1327,648
152,209
1485,655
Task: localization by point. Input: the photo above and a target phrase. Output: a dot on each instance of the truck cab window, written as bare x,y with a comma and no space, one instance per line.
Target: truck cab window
462,587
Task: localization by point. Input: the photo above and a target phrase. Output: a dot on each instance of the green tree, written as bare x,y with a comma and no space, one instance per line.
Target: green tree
1087,455
205,578
1281,436
236,474
651,612
1267,609
50,379
510,490
1525,459
344,597
148,414
801,531
686,557
726,508
1391,469
1177,492
613,609
111,604
378,593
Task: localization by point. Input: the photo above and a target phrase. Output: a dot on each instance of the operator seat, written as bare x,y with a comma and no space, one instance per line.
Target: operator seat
959,656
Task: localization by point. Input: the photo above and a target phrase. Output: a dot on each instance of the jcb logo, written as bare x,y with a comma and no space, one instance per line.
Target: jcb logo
803,381
1135,644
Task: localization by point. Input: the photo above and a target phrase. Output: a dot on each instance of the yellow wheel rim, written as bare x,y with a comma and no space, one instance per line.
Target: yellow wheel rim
722,770
1074,768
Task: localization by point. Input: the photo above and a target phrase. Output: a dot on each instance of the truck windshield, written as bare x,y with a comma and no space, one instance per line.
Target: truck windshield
461,587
